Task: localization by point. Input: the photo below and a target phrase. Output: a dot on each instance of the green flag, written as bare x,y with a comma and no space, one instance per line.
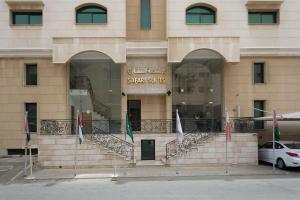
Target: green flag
128,127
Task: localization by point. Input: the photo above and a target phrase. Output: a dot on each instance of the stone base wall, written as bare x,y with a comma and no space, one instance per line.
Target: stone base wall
243,149
59,151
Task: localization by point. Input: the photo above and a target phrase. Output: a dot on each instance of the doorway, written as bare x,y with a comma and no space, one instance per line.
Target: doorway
147,149
134,113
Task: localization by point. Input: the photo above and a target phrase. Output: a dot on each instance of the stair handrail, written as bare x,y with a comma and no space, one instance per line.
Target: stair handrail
189,141
112,143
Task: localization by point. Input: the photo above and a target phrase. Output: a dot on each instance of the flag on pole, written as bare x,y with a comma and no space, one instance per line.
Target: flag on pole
228,128
179,131
128,127
79,125
26,128
276,128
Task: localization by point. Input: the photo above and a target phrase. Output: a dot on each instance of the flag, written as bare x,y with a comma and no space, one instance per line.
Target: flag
79,125
179,131
228,128
276,128
128,127
26,128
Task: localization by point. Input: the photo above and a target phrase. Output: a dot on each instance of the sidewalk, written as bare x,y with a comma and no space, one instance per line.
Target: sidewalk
155,172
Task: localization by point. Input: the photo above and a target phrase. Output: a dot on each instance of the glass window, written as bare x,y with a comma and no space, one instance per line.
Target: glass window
197,91
31,74
259,72
145,14
27,18
292,145
200,15
31,108
278,146
262,17
257,113
91,15
268,145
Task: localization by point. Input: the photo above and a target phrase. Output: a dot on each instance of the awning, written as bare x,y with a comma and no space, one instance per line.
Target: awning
294,116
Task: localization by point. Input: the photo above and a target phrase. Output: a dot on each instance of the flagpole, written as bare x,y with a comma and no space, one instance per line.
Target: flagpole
30,160
25,169
274,116
177,157
76,144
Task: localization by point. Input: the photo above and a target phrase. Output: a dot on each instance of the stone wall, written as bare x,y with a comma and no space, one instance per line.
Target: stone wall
243,149
59,151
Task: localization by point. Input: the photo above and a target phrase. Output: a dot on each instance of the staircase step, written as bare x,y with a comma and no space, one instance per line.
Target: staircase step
149,163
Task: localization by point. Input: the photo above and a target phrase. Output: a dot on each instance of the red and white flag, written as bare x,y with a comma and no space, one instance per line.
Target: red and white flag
228,128
79,125
26,128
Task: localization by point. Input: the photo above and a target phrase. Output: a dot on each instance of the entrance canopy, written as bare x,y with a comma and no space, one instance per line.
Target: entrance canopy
294,116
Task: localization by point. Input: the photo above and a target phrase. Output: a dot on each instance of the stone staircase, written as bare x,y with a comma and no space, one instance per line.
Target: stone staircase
207,150
59,151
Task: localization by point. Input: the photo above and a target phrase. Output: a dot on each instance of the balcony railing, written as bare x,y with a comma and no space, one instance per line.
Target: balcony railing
159,126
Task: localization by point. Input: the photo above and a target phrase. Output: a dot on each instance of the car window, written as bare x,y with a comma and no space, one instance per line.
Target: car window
268,145
278,146
293,145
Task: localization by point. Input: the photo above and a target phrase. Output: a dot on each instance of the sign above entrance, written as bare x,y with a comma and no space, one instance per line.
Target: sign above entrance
146,75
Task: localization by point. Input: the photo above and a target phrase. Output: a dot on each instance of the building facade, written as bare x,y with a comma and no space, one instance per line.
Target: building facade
147,58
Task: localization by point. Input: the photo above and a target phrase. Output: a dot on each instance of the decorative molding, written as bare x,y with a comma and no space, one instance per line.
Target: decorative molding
264,4
134,50
25,53
227,47
147,49
267,51
25,4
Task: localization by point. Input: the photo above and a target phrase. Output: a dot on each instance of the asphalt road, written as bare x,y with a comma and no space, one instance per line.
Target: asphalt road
228,188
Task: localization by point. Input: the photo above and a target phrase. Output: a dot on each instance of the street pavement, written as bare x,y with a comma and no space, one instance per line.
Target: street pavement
224,188
10,168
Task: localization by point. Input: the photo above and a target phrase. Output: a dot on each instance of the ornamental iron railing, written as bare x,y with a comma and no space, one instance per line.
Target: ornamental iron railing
189,141
159,126
112,143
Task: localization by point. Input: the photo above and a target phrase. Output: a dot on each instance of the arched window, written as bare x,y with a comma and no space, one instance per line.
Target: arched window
91,15
200,15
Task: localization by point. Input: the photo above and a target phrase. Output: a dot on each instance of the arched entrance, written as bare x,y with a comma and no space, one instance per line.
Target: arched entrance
95,91
197,91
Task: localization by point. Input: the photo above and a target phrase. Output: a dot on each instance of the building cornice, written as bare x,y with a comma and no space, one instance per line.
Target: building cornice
156,49
25,53
146,49
267,51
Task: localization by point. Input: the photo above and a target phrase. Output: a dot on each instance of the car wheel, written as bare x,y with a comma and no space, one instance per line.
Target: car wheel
280,164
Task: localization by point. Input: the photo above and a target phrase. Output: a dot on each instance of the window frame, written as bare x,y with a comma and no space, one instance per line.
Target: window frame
29,13
142,26
264,72
261,12
25,75
214,11
36,120
262,123
104,9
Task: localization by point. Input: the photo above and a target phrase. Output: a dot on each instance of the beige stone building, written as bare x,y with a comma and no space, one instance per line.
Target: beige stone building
105,58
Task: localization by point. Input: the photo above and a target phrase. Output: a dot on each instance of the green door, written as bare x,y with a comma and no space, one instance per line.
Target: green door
148,149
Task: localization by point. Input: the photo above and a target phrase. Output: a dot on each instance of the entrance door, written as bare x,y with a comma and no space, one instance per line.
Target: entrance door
134,112
148,149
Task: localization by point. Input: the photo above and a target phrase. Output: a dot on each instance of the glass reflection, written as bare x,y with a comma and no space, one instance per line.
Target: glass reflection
95,90
197,91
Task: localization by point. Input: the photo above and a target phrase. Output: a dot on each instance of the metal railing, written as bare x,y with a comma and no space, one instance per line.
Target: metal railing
190,141
159,126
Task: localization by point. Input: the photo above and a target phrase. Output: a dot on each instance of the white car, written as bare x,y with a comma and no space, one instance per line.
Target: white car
287,153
